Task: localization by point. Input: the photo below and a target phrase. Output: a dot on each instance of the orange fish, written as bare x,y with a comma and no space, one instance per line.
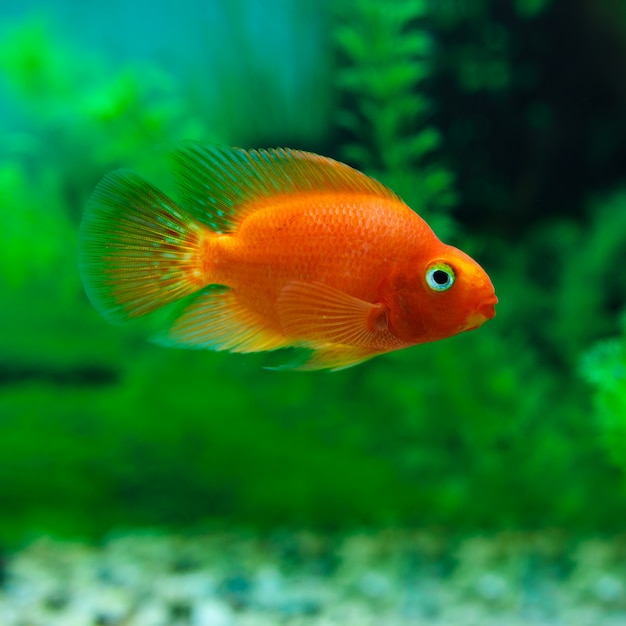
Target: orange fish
272,249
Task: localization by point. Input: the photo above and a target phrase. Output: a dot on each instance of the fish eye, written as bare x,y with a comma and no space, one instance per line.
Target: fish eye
440,277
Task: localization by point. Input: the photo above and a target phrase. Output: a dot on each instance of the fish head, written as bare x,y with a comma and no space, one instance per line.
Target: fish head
438,295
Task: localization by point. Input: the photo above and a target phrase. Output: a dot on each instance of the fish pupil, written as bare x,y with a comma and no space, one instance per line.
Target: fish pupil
441,277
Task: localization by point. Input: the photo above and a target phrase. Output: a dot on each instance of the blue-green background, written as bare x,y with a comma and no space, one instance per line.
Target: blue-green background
501,122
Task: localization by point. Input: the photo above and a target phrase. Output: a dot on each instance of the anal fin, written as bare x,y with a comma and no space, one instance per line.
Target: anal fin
215,319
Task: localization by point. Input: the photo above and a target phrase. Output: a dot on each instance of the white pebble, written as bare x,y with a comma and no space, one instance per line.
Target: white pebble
609,588
491,587
212,613
150,615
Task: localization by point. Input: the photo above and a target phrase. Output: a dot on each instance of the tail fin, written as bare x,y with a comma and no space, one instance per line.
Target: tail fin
138,250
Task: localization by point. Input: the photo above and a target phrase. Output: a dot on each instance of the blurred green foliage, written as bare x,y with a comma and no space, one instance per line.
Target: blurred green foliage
604,366
491,429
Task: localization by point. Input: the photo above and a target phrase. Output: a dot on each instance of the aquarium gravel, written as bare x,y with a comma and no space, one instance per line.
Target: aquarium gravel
385,579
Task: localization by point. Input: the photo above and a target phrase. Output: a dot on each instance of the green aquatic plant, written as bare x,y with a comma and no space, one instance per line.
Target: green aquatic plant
604,367
384,61
576,288
91,114
481,54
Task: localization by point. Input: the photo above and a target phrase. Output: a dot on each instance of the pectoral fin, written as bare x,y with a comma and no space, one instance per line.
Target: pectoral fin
317,313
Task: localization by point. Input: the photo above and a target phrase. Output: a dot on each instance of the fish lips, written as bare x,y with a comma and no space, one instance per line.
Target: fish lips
488,307
485,311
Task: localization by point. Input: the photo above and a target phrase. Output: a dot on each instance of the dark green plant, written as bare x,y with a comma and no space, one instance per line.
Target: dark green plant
482,58
576,289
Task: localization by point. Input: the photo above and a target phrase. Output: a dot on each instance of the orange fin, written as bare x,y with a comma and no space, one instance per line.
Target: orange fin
315,312
138,250
219,186
215,319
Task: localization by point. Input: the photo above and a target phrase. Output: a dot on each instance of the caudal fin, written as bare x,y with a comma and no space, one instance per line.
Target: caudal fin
138,249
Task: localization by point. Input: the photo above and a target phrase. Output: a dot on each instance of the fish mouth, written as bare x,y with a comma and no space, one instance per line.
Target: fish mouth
487,308
485,311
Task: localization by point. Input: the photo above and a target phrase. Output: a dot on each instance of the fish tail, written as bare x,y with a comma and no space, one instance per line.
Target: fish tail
138,250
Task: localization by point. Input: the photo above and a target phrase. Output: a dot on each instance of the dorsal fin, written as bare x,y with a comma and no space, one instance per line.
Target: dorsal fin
219,185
